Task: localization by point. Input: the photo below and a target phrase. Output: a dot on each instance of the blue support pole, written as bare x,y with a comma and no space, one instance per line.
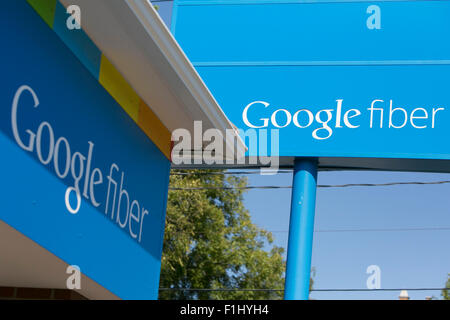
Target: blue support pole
301,229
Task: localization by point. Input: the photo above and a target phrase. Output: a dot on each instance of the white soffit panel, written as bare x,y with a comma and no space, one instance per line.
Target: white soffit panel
31,266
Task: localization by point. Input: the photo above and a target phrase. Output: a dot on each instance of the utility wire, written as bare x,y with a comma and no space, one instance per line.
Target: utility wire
353,230
382,230
318,186
316,290
177,173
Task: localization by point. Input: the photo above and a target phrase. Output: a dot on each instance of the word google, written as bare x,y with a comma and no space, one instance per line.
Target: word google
380,113
58,152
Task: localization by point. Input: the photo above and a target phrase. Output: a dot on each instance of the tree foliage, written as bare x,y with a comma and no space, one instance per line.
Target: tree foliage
446,293
211,242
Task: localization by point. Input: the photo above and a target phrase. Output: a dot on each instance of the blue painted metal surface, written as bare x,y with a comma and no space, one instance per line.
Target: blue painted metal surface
60,132
370,93
77,41
301,230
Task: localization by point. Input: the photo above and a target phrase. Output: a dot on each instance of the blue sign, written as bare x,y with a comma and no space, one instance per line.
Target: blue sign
78,175
354,79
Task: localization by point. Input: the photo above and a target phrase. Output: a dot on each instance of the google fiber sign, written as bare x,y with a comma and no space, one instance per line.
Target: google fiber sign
352,80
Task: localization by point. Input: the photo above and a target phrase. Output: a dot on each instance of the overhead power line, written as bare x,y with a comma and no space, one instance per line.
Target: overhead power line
315,290
177,173
355,230
381,230
319,186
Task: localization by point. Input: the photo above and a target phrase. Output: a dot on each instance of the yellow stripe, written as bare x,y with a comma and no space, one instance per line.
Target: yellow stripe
119,88
128,99
113,82
46,9
154,129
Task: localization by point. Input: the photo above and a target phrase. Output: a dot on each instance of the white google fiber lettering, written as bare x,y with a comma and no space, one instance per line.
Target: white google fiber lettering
80,167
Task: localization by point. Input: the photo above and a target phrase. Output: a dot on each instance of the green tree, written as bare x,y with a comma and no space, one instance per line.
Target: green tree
211,242
446,293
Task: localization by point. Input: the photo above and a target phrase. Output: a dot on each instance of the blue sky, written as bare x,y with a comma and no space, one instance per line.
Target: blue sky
408,259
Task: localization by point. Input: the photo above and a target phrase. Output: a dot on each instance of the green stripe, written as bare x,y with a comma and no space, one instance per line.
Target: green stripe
45,8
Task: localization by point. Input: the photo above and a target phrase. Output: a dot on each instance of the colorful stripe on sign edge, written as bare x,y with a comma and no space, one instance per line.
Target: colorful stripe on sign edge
54,14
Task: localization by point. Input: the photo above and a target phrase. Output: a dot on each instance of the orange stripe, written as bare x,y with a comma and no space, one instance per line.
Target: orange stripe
154,129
